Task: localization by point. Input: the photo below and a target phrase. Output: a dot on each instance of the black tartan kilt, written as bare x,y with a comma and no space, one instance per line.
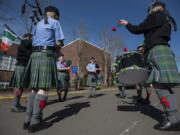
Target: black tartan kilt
41,71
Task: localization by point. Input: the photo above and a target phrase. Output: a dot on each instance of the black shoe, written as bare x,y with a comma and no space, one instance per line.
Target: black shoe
90,96
26,126
38,127
59,96
168,126
22,107
64,98
139,101
122,96
146,102
17,109
60,100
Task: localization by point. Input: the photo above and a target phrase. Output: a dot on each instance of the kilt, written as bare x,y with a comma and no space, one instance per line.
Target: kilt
41,71
164,68
17,76
91,80
63,80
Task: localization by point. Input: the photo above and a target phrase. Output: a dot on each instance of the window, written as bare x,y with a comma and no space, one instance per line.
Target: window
7,63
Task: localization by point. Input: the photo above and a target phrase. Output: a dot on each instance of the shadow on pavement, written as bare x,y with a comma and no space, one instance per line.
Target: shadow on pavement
72,109
50,102
100,95
76,97
148,110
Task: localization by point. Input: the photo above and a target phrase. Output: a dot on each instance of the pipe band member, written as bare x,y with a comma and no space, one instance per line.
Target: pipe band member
63,67
23,53
157,31
41,71
140,87
121,86
92,77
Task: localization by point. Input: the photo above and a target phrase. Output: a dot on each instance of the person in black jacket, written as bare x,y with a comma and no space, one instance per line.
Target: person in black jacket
164,75
23,54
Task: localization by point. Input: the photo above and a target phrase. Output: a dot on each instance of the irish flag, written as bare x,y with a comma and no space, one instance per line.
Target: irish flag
7,40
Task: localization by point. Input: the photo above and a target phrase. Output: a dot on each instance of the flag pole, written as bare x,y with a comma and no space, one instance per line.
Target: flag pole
18,37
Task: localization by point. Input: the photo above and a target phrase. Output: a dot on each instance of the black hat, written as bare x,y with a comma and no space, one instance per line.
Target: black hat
92,58
52,9
27,35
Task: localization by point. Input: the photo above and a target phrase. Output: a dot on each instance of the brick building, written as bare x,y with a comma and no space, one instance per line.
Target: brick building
80,51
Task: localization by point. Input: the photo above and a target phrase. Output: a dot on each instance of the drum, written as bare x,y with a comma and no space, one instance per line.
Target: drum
132,69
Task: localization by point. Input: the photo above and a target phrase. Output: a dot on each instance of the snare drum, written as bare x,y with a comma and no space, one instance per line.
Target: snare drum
133,70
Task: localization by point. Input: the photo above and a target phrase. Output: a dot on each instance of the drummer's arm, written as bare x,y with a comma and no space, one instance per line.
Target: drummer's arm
63,69
150,22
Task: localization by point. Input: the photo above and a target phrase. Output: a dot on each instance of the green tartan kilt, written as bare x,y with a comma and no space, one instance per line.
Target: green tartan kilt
63,80
41,71
164,66
17,76
91,80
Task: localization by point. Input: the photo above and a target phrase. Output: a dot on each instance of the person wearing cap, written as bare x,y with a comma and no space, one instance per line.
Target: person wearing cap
140,87
92,77
63,67
121,86
23,54
164,74
41,71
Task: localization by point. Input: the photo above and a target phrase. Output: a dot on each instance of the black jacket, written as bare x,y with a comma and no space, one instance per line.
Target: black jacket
23,53
156,29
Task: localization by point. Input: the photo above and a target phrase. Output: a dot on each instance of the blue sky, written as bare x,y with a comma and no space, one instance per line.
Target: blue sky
97,15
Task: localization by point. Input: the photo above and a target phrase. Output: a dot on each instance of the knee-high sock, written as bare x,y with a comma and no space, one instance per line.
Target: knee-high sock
167,99
93,91
29,107
121,90
38,106
90,91
65,94
17,97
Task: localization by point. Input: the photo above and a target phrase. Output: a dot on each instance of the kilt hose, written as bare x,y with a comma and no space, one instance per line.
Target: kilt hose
41,71
164,69
17,76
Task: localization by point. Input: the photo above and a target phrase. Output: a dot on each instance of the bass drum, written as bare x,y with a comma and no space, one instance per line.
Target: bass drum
133,69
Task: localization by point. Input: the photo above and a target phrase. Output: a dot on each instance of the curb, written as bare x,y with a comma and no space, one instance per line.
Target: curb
9,97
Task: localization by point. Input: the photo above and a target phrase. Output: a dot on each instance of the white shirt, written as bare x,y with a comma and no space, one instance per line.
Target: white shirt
91,67
61,65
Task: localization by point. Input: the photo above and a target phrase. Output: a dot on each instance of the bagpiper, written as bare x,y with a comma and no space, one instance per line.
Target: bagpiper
41,71
63,67
23,53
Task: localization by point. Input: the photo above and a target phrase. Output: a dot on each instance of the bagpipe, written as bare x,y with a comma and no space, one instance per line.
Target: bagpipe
37,13
9,36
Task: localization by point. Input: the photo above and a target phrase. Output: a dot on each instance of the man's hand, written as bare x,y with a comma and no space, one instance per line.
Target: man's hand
60,43
123,22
